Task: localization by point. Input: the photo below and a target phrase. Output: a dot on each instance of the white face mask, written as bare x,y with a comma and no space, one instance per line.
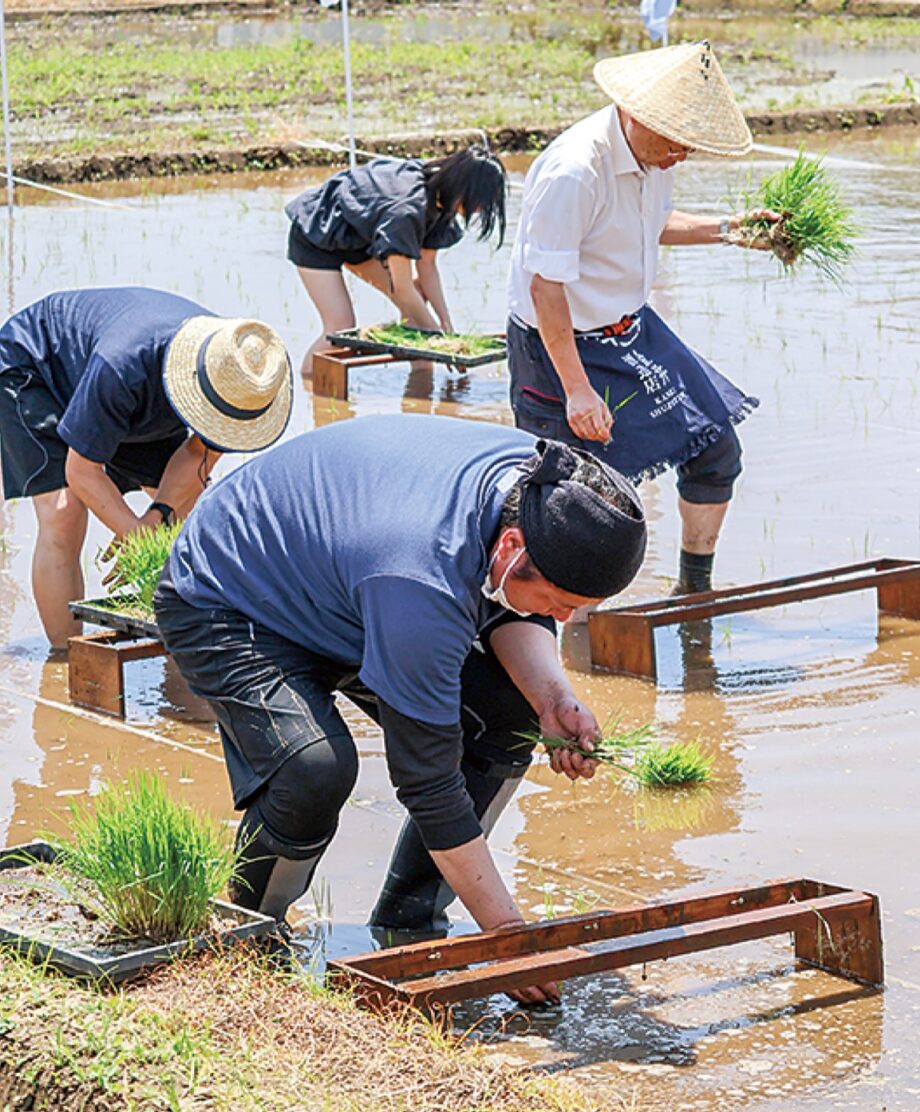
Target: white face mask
497,594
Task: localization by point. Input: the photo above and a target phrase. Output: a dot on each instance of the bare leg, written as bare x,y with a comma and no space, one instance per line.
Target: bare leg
57,577
702,522
328,292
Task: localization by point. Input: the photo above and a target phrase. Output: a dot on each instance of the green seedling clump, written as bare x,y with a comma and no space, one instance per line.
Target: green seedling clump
671,766
636,754
146,865
139,559
815,225
450,343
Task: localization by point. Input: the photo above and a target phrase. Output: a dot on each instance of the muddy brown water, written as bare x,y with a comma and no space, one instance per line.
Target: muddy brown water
811,711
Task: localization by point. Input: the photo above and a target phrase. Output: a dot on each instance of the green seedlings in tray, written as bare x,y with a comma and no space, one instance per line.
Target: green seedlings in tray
138,560
144,864
815,224
674,765
450,343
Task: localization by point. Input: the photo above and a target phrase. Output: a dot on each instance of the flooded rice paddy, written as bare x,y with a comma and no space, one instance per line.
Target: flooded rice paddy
811,711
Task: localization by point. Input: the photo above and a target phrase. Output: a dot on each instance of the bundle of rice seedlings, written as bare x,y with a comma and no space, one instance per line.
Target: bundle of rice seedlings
669,766
139,559
451,343
145,864
815,225
639,756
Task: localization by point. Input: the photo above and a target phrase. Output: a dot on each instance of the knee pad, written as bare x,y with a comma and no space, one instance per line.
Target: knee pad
710,476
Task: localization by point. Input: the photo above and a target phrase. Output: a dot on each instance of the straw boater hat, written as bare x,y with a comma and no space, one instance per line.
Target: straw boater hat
230,381
679,92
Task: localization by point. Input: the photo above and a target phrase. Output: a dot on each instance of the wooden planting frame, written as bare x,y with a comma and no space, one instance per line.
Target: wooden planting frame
623,639
330,370
96,667
835,929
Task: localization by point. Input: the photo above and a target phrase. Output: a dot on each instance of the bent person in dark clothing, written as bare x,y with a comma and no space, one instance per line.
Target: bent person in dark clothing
386,221
105,391
416,565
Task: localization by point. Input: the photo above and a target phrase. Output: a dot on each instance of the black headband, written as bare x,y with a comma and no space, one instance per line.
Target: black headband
577,539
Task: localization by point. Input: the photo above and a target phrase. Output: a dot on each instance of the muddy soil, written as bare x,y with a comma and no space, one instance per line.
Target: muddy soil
810,710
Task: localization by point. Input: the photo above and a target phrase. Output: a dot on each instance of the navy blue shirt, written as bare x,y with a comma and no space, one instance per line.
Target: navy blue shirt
381,208
364,541
100,353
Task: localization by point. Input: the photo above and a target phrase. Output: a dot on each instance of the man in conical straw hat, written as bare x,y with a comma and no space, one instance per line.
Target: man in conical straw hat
105,391
583,344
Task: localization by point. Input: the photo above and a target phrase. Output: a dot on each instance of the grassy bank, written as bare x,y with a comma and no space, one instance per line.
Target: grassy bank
227,1033
113,85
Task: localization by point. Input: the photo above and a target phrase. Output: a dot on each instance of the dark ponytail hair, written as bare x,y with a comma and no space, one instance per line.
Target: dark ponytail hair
474,180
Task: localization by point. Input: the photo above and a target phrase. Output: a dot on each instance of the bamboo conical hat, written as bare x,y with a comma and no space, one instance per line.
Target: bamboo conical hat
679,92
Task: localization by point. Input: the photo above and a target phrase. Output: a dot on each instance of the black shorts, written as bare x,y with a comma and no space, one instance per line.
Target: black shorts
303,253
33,456
274,698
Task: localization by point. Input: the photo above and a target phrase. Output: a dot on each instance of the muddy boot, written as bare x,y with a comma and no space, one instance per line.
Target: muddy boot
273,873
415,896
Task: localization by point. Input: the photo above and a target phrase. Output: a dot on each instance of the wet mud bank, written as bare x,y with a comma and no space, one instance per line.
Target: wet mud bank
279,156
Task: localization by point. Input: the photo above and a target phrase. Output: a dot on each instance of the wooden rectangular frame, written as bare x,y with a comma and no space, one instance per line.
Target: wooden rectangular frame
331,367
623,639
836,929
96,667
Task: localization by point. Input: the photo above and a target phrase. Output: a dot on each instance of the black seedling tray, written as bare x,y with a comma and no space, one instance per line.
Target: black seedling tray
95,962
351,338
92,610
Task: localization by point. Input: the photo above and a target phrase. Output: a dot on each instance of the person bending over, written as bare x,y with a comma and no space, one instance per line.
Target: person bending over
105,391
386,221
415,565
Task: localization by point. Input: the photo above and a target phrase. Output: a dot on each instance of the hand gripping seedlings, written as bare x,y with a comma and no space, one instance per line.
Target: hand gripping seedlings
815,225
639,756
138,560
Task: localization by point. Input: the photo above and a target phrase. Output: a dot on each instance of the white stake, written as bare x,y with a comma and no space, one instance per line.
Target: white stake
346,50
6,113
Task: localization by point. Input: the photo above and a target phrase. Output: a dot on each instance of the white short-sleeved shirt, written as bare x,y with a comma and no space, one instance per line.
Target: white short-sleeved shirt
591,218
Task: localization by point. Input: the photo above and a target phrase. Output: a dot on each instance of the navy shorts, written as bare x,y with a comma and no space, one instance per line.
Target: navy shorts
303,253
33,456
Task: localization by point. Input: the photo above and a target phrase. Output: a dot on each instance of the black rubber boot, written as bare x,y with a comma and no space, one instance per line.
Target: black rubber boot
415,896
273,873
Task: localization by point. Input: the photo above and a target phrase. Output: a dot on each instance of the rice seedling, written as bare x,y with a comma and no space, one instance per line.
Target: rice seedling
452,343
143,863
139,559
638,755
815,225
658,765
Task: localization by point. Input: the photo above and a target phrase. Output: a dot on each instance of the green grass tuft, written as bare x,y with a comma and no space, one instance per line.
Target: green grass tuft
816,226
669,766
150,864
139,559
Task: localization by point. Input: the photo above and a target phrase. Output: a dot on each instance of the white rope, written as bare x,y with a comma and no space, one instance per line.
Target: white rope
830,159
64,192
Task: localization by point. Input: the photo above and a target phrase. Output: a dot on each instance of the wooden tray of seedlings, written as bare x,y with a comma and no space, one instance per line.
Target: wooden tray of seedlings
124,912
402,342
119,612
137,563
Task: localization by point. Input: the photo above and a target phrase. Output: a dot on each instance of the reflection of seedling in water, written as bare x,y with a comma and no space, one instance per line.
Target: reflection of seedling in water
726,631
815,225
144,864
680,808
